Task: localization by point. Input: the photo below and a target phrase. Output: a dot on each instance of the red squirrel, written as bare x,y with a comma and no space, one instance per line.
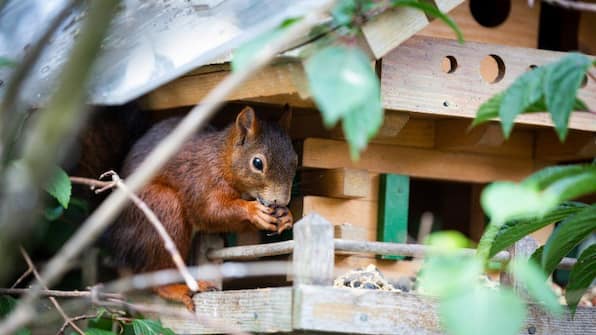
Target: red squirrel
232,180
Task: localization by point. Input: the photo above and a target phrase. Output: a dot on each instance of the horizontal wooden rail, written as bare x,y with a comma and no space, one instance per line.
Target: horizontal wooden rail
377,248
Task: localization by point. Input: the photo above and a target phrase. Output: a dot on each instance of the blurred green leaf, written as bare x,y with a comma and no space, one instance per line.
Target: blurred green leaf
447,275
537,255
7,304
432,11
561,82
7,62
448,240
59,187
150,327
52,213
514,230
581,277
343,12
480,310
504,201
566,236
344,85
530,275
543,178
95,331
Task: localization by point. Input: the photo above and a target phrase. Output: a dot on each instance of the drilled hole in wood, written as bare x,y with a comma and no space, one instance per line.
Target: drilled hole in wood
532,67
492,68
449,64
490,13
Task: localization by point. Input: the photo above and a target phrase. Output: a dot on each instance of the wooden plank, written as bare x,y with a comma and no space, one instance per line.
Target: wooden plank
519,29
379,312
394,200
455,135
261,310
412,79
336,183
313,254
577,145
398,128
361,213
273,80
415,162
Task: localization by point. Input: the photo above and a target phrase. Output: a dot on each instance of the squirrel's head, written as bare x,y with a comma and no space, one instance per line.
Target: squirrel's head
262,157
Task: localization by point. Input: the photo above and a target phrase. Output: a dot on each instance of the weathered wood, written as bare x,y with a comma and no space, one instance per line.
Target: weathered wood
522,249
313,251
336,183
577,145
393,210
348,231
203,243
260,310
377,312
455,135
412,79
253,251
416,162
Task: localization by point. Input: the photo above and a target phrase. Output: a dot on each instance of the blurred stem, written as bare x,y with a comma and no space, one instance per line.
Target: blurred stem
51,130
11,118
487,240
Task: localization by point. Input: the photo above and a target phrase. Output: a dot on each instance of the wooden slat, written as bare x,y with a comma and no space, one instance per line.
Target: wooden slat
260,310
336,183
424,163
313,255
519,29
412,79
393,210
577,145
377,312
455,135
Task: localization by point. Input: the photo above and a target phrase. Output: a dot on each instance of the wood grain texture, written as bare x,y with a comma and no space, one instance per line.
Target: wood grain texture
520,28
416,162
412,79
337,183
313,254
577,145
260,310
375,312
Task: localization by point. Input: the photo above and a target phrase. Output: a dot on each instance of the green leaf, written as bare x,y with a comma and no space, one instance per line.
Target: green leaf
504,201
343,13
447,275
523,93
530,275
432,11
150,327
480,310
548,175
568,234
572,187
488,110
53,213
514,230
95,331
60,187
447,241
7,304
537,255
7,62
561,82
581,277
345,86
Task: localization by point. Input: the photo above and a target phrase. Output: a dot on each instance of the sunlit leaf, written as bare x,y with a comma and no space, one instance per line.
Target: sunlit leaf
447,240
480,310
514,230
523,93
150,327
548,175
446,275
361,124
59,187
581,277
504,201
561,82
566,236
432,11
531,276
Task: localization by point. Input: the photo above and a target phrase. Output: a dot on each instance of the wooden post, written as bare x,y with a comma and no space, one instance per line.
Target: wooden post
313,257
202,244
521,249
394,197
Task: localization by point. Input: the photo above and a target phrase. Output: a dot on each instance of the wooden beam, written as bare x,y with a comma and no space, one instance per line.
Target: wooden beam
337,183
412,79
379,312
393,210
456,135
313,254
415,162
578,145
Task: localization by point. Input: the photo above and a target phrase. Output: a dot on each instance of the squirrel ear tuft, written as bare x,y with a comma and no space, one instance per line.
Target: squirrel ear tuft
247,124
286,118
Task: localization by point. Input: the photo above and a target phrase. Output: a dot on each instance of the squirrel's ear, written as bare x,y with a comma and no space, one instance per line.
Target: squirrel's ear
286,118
247,125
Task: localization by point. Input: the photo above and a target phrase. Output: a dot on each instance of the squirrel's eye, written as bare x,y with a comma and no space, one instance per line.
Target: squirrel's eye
257,163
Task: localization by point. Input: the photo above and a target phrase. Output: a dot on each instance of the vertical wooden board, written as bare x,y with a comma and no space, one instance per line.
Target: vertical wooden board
393,210
519,29
260,310
313,256
412,79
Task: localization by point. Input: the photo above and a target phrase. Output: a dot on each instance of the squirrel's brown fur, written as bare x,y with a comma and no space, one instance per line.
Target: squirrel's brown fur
211,185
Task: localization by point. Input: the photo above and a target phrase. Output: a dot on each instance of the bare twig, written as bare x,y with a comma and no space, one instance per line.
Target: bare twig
52,299
74,319
108,210
94,184
22,277
58,293
575,5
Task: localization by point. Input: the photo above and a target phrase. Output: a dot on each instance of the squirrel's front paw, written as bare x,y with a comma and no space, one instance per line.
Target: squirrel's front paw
285,219
261,216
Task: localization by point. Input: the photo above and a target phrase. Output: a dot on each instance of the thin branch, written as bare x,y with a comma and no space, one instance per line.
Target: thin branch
22,277
108,210
94,184
58,293
52,299
74,319
575,5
